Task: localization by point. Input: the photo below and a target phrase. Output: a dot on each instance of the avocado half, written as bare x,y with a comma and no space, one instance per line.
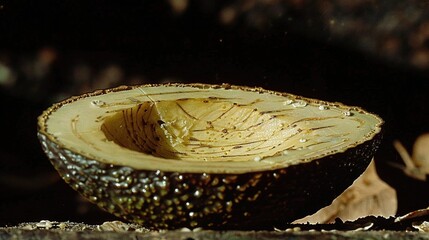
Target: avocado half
170,156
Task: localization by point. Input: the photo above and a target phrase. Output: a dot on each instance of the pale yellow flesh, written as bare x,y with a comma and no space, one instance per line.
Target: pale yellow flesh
200,130
191,129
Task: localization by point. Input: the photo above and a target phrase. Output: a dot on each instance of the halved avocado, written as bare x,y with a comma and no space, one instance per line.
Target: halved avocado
211,156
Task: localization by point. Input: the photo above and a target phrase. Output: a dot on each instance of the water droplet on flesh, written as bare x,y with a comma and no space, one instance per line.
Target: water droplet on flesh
98,103
348,113
299,104
323,107
287,102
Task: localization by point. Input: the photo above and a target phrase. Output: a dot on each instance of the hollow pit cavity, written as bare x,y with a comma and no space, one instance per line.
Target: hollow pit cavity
198,129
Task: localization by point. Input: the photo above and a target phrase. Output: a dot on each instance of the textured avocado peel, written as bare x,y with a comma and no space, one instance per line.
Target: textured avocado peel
211,156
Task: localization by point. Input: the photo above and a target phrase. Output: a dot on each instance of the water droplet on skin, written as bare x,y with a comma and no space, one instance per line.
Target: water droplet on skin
134,190
285,152
303,140
198,193
161,184
299,104
257,159
188,205
98,103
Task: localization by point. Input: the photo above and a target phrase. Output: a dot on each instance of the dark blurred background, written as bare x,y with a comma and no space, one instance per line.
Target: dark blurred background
370,53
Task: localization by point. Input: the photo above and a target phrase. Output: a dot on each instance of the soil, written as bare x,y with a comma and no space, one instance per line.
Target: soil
69,230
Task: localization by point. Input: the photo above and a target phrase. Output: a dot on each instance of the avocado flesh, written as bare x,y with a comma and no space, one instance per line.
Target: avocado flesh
165,167
280,130
199,130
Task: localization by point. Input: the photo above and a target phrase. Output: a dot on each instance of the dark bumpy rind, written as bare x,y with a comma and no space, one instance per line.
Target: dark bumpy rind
169,200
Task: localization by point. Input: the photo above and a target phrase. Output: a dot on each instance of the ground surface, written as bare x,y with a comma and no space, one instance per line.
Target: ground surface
118,230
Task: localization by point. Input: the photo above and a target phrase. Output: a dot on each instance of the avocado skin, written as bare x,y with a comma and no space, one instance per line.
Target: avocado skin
250,201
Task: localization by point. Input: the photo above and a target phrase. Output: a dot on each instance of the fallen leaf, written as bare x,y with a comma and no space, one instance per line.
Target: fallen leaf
367,196
417,165
421,152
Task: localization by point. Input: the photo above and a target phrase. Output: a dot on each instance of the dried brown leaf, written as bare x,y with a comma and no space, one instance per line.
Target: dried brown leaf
368,196
416,165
